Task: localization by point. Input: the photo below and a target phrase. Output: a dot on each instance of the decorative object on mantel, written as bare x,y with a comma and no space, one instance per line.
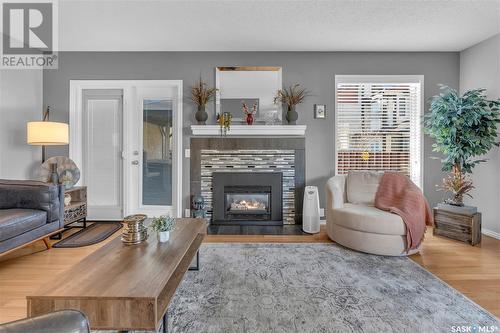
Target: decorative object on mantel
201,94
319,111
249,114
291,97
198,207
163,225
224,120
66,171
254,130
464,128
135,231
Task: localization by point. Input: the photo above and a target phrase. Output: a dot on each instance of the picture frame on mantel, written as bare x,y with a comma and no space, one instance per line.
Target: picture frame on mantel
319,111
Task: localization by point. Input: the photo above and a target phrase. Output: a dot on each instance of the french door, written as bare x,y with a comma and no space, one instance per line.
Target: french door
130,152
153,151
102,121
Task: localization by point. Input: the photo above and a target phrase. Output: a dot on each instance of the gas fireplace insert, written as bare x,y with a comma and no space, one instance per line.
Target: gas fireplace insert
247,198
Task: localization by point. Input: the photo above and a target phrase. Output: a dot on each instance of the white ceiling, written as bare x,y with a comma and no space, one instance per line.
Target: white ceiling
276,25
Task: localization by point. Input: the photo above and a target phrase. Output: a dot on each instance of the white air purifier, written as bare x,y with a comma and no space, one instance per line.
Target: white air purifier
310,210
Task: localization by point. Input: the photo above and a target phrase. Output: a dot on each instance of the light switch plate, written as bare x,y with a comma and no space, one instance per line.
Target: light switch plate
187,153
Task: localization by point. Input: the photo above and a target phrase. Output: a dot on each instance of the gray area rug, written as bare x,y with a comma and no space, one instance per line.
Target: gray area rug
315,288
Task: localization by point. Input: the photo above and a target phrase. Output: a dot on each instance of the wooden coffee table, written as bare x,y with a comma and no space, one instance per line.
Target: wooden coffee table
124,287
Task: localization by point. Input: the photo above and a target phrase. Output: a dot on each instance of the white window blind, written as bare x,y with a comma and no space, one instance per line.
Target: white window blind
378,124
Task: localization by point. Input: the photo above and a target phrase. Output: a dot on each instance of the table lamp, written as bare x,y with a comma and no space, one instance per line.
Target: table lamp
47,133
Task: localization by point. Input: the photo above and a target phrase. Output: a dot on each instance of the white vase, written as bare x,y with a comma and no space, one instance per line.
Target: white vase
163,236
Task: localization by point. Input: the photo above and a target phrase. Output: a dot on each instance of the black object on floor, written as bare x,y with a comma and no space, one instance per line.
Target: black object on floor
95,233
291,229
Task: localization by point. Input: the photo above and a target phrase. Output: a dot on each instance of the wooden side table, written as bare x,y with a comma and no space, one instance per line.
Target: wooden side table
76,211
465,228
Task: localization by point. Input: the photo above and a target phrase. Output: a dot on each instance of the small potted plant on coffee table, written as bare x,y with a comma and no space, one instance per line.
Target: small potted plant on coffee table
163,225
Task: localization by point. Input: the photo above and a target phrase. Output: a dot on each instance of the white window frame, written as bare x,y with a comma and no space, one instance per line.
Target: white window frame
382,79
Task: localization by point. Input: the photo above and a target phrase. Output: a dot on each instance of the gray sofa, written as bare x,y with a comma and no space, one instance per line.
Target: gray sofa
65,321
29,210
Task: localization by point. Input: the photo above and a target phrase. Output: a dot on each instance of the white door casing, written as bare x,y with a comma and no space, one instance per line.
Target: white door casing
132,99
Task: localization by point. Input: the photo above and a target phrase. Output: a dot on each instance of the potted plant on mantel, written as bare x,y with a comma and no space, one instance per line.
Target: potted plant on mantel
163,225
464,128
291,97
201,94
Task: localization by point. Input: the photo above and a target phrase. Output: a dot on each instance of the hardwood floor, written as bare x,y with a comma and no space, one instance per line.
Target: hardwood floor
474,271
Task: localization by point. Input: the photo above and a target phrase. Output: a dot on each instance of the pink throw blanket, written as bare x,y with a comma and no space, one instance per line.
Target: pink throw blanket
397,194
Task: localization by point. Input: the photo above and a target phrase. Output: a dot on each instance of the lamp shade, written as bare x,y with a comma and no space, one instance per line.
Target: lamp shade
47,133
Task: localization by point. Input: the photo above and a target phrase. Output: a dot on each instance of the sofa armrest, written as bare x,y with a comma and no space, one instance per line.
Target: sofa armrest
335,192
56,322
31,194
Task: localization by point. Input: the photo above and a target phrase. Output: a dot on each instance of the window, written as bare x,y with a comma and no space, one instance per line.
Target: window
378,124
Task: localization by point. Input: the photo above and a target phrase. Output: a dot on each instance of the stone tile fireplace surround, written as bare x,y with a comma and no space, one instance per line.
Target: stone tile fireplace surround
255,154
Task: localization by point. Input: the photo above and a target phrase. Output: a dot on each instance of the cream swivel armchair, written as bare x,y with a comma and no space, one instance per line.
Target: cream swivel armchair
354,222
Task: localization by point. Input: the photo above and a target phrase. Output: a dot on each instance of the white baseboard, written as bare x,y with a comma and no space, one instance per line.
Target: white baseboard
491,233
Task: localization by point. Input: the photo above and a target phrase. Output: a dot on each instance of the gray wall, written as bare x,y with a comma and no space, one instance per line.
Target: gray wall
20,102
480,68
314,70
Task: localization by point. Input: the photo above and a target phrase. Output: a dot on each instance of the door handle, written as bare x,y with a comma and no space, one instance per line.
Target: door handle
136,162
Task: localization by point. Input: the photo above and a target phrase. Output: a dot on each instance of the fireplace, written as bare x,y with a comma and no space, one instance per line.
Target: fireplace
247,198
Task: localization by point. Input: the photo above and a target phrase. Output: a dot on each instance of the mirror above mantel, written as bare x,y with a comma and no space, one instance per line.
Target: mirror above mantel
250,85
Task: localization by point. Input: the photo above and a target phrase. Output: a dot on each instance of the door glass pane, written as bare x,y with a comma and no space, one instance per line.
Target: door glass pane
157,152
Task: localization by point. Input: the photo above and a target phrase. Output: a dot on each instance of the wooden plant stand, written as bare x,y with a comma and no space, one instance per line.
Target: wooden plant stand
465,228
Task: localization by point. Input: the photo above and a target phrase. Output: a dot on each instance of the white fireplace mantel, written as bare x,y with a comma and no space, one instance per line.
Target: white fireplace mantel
250,130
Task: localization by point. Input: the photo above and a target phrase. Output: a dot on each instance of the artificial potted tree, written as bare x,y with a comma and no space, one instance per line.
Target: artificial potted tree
291,97
163,225
201,94
465,128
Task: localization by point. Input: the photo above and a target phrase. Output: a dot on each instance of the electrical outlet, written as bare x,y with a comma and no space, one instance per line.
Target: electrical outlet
187,212
321,212
187,153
